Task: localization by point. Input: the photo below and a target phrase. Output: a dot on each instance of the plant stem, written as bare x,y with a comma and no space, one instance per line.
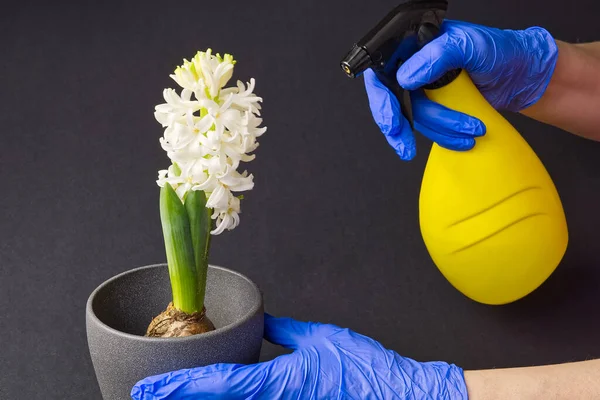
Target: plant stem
180,251
200,223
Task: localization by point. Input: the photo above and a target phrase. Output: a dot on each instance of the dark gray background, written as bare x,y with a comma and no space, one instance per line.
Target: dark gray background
330,232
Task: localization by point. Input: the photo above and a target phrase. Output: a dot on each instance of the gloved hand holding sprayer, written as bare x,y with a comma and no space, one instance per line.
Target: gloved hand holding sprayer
512,69
525,71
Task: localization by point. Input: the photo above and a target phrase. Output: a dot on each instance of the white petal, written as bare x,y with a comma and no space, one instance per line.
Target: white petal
237,183
218,199
205,123
221,225
209,185
182,190
186,94
234,205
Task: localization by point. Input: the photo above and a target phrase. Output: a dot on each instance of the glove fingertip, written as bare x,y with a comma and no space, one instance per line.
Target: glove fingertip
402,140
407,155
456,142
464,145
136,393
408,149
471,127
465,127
141,391
480,129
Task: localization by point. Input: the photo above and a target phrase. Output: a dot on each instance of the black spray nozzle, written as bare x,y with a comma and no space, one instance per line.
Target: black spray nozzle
356,62
399,35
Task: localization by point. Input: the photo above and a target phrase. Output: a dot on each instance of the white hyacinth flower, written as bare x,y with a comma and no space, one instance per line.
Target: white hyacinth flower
209,130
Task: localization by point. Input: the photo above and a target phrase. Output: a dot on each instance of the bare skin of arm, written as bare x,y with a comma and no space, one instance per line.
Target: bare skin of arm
579,380
592,49
572,99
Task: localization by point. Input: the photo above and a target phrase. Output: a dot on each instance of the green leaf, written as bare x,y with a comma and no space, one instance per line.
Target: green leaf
200,224
180,251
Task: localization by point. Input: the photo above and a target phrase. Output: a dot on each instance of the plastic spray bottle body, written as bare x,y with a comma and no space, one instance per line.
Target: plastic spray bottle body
491,217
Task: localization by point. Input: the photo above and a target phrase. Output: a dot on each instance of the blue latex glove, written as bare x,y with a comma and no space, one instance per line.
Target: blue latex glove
328,363
512,69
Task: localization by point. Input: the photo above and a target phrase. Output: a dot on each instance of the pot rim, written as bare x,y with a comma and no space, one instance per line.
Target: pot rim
91,314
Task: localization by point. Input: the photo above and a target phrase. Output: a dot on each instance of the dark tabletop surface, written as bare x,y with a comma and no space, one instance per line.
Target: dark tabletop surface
330,232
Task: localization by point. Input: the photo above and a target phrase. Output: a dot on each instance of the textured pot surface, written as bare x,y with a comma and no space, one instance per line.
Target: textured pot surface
119,311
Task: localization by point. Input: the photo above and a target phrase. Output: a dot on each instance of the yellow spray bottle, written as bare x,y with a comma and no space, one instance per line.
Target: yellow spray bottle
490,217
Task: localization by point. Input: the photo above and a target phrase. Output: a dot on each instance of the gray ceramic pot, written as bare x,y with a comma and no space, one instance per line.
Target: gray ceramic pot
119,311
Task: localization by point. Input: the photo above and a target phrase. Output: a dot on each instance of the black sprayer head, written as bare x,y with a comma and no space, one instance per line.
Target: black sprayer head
399,35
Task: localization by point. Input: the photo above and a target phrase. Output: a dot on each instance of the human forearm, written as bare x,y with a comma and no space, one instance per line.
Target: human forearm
593,49
579,380
572,99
